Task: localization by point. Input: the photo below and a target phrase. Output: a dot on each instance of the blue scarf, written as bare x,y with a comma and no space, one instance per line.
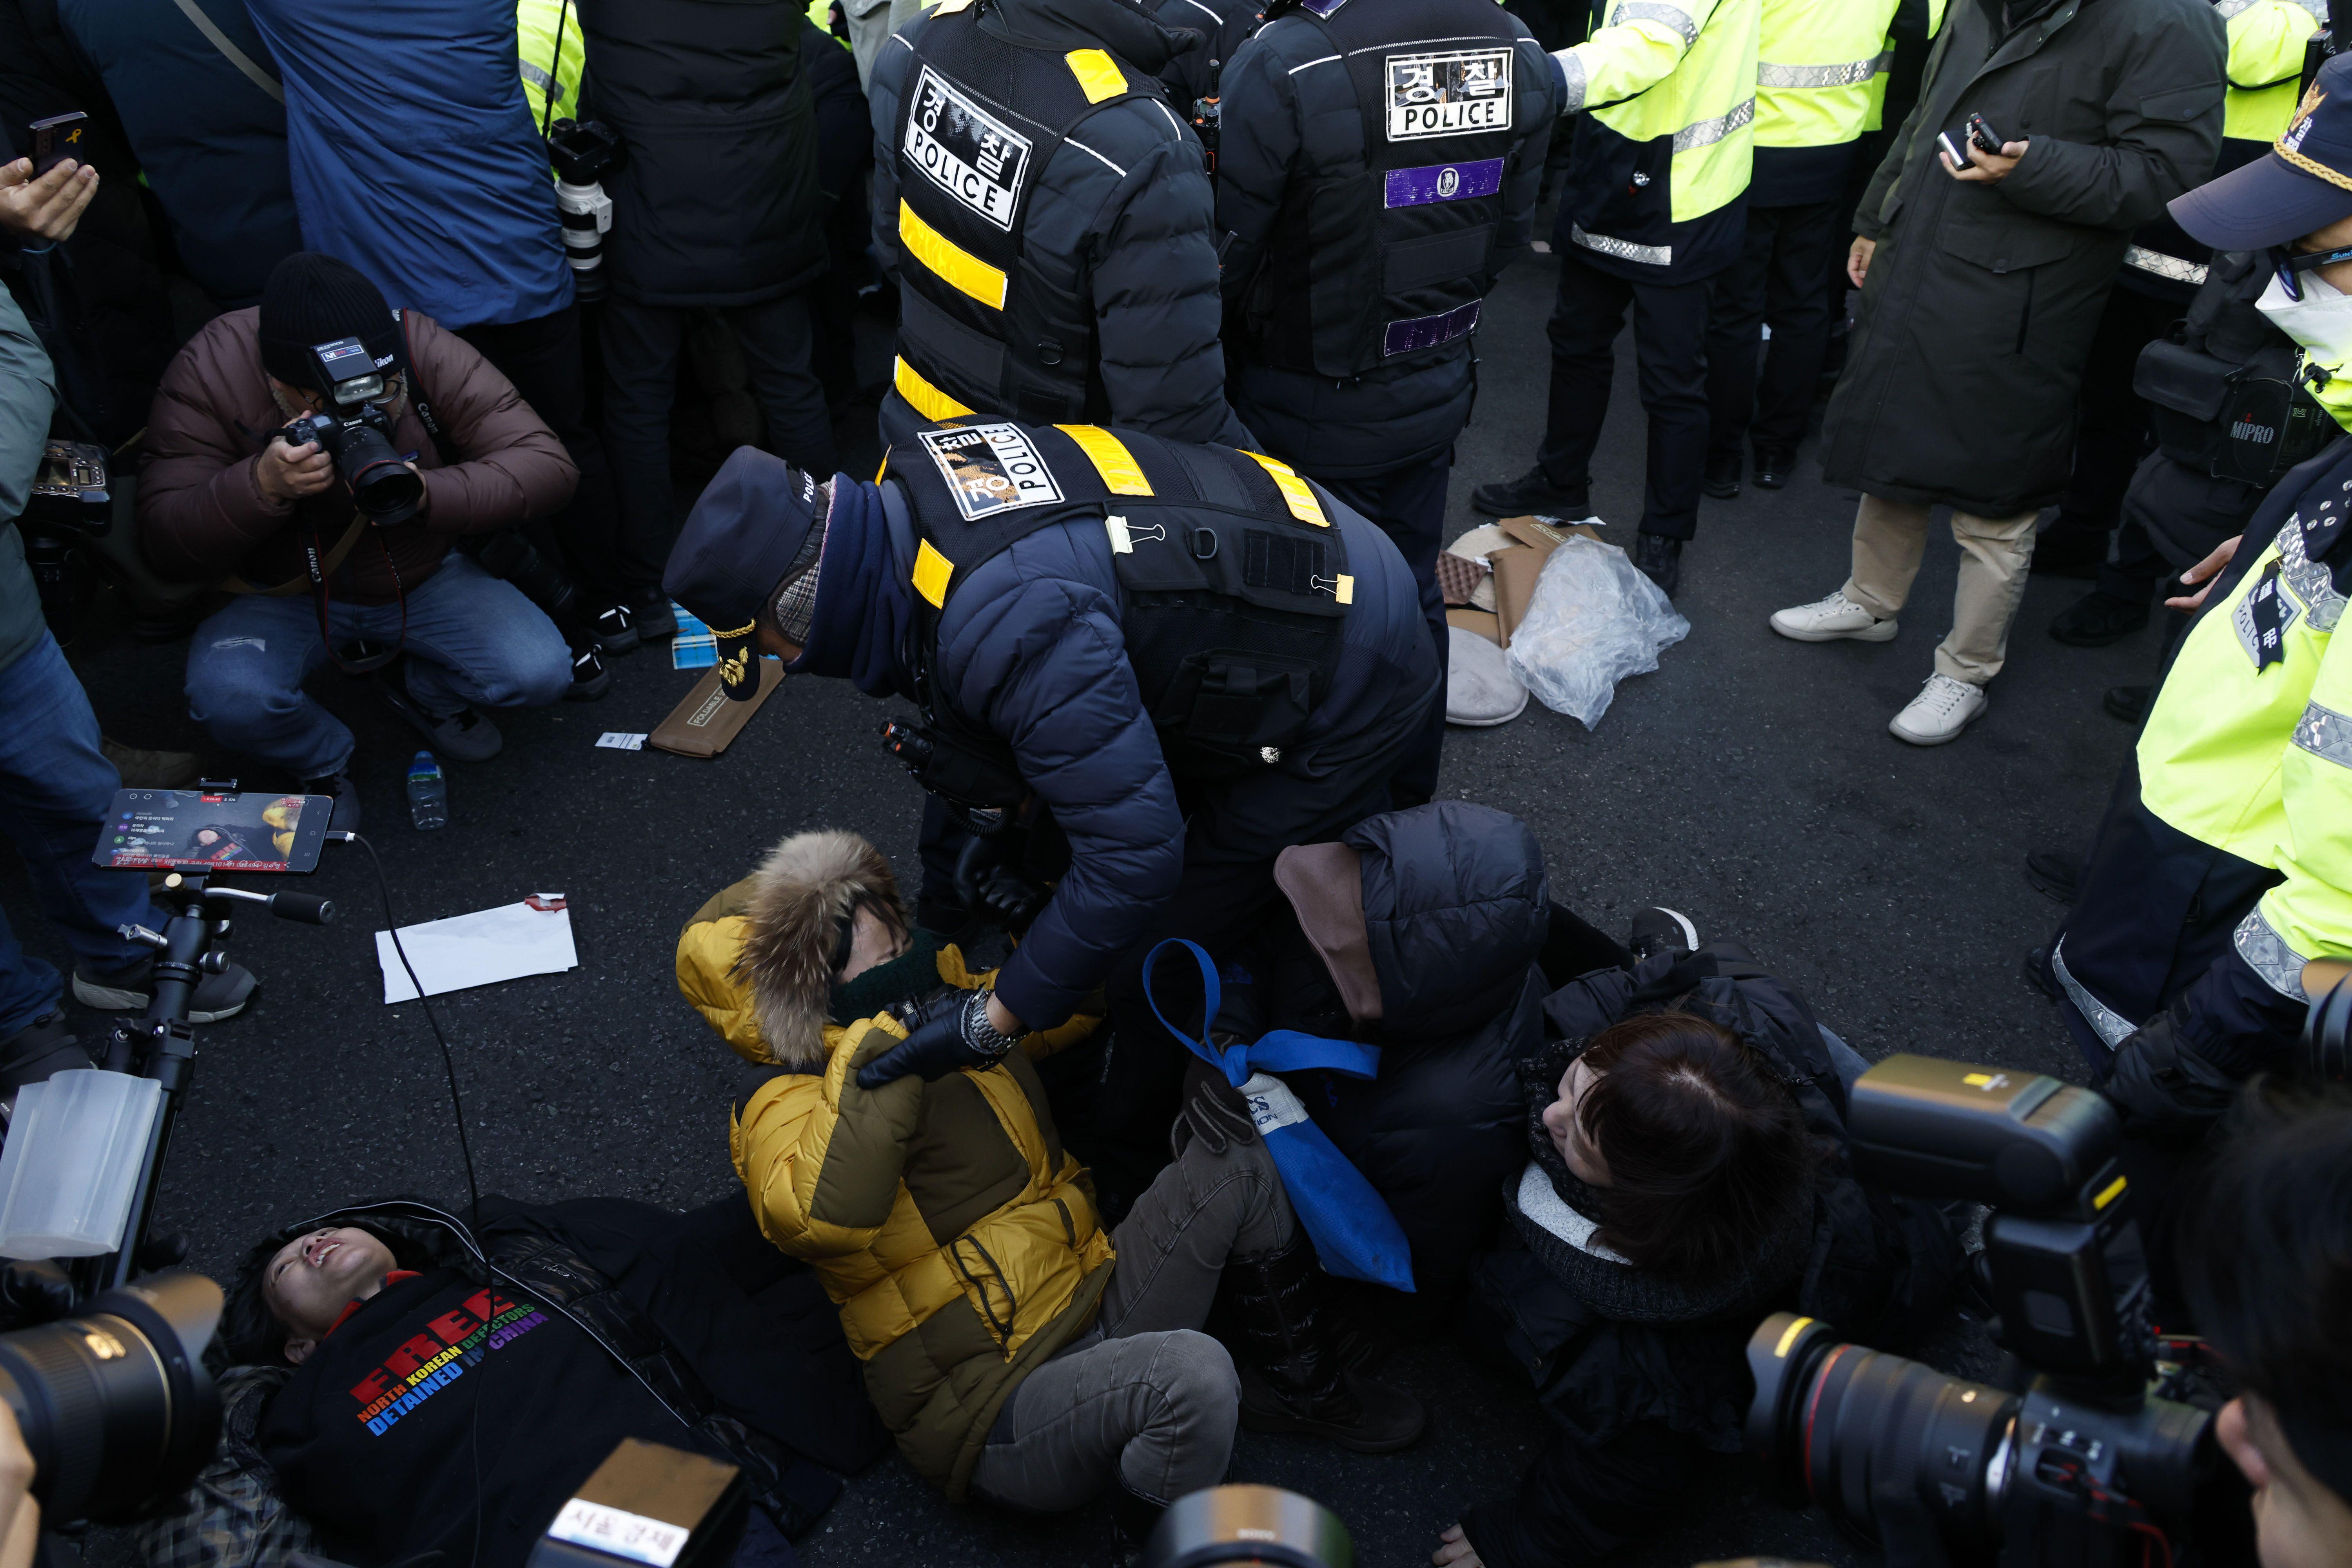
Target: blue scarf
864,604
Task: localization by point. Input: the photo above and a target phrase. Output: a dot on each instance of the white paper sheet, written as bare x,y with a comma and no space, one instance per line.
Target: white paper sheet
533,937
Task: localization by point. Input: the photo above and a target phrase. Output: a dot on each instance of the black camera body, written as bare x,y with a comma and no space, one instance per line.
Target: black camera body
385,487
357,434
2099,1453
71,502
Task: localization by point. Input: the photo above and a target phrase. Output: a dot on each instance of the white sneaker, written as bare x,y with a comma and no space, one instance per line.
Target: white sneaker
1943,708
1826,620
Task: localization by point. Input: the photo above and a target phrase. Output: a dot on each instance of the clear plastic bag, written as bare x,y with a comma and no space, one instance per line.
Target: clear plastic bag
1594,620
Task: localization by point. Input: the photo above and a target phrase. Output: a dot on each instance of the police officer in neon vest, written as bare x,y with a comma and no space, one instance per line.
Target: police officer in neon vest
1651,212
2160,275
1047,216
1378,169
1817,82
2224,868
1146,669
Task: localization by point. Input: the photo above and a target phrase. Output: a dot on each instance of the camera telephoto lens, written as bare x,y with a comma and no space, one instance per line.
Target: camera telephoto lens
1845,1428
1241,1524
115,1404
386,489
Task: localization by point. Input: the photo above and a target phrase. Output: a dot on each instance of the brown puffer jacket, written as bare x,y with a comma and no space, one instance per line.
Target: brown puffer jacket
203,518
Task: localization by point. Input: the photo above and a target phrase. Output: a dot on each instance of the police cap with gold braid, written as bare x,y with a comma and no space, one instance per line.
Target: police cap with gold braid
757,523
2303,184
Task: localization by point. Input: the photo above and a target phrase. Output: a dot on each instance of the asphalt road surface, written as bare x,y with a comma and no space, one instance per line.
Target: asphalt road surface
1749,782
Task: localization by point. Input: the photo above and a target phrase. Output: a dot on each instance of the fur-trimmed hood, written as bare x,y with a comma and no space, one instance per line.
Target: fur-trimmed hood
802,892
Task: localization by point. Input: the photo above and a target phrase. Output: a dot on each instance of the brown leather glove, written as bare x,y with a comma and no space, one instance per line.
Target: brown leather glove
1214,1111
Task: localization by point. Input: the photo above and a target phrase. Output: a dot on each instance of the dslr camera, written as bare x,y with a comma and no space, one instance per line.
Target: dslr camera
356,432
2100,1458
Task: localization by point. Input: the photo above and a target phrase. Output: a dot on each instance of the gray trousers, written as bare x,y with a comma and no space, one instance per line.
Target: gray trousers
1144,1389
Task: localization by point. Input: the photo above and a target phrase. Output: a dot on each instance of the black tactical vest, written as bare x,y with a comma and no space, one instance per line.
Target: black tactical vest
977,328
1236,584
2224,389
1385,253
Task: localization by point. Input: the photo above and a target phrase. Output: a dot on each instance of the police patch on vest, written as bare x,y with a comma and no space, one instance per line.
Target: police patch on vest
991,468
1441,182
968,152
1454,92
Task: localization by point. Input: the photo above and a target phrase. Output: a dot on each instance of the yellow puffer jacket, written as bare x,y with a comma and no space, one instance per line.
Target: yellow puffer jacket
959,1239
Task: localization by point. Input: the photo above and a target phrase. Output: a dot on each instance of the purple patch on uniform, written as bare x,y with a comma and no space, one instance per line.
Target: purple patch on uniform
1322,7
1442,183
1428,332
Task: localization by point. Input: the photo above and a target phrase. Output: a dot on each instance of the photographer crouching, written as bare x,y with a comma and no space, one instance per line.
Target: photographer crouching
345,538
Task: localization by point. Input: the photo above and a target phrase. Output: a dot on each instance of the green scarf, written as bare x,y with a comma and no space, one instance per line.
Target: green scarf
913,973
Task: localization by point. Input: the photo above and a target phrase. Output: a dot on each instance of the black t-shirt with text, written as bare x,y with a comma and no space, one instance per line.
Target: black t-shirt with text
380,1437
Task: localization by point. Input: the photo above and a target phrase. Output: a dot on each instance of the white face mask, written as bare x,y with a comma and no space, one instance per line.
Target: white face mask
2321,320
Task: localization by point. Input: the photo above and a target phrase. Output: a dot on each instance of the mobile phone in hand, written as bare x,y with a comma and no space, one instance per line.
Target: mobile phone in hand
1960,159
1983,136
57,138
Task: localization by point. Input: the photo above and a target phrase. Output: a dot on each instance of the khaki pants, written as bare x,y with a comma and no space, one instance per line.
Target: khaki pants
1890,537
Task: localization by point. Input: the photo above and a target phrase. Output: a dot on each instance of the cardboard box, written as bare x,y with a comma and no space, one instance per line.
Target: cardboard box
1516,569
708,720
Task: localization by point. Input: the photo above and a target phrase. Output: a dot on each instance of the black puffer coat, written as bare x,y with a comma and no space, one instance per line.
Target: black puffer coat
1645,1376
717,202
1455,908
1969,341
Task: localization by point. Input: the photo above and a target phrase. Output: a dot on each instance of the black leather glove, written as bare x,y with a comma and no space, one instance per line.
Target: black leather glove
1214,1111
948,1035
990,881
2168,1092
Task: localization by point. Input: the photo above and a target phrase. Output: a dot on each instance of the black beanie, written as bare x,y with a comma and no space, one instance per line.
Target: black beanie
313,298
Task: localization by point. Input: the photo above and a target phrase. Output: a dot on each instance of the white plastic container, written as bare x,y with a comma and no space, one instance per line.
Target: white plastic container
71,1163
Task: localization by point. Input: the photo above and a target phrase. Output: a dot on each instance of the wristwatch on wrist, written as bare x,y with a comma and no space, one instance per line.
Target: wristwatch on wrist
979,1034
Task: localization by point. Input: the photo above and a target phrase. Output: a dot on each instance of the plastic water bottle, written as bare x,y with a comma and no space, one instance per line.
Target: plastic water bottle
429,792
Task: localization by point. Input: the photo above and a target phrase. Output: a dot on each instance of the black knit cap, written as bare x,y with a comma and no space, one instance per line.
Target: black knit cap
313,298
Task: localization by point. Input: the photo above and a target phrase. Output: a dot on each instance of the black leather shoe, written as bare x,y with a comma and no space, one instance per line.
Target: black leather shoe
1530,493
2098,619
2055,875
1773,466
1721,478
2038,973
2128,703
1660,560
2068,550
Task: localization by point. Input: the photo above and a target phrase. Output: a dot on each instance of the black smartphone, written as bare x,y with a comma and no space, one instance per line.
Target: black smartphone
213,830
1982,136
57,138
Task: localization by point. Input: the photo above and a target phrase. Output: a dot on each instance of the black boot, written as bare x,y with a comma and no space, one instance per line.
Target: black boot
1720,479
1133,1516
1532,494
1293,1379
1660,560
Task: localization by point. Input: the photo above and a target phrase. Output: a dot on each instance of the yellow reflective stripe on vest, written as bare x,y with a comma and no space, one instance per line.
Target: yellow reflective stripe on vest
950,262
1099,75
931,576
1110,458
923,397
1295,492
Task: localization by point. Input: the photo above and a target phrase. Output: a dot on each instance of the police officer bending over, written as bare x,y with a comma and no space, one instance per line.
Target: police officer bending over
1047,216
1180,659
1378,170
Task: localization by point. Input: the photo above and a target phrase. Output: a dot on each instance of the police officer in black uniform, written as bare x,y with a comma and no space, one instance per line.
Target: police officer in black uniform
1378,167
1047,216
1145,668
